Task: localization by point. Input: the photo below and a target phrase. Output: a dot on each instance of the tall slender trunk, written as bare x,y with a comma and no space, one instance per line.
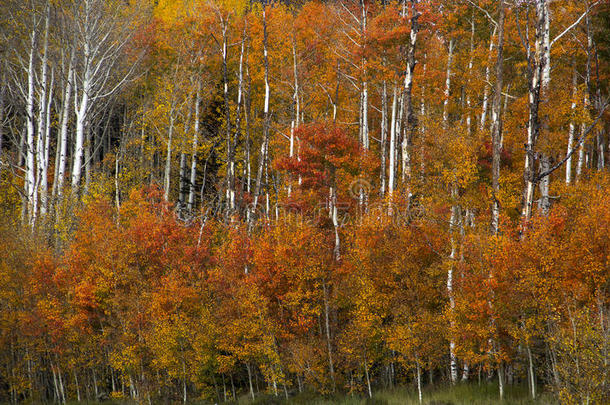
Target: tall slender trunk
265,145
193,176
328,341
42,165
364,130
572,130
383,136
368,378
58,184
250,380
531,374
393,141
486,89
168,156
30,179
453,230
447,92
81,114
44,185
230,181
496,128
536,68
410,119
418,370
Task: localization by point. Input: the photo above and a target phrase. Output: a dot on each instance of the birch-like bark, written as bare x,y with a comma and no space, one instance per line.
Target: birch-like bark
383,136
30,179
44,186
453,230
410,119
486,89
230,181
265,143
365,90
81,115
536,68
168,156
393,141
328,341
58,184
496,128
101,35
572,129
41,164
193,176
447,92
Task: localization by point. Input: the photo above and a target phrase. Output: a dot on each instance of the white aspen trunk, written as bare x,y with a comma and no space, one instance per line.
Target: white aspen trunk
168,157
81,117
44,186
486,89
383,136
501,381
365,119
419,391
470,64
63,133
537,68
182,186
393,122
328,344
250,380
88,156
496,127
368,379
410,120
544,203
42,119
193,176
30,169
240,92
264,145
448,85
546,43
531,375
365,89
453,223
230,191
422,127
572,129
77,386
581,157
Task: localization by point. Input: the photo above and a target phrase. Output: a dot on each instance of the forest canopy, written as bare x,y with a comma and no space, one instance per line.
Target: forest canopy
208,199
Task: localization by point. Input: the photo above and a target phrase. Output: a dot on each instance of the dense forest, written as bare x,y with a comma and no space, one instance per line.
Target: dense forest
212,199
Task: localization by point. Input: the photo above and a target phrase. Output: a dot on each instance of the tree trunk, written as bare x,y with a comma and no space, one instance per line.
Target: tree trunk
496,128
485,106
42,165
572,129
383,135
168,157
410,120
30,179
393,141
328,344
193,176
536,71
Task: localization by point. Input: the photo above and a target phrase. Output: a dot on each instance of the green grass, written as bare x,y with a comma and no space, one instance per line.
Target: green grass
462,394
